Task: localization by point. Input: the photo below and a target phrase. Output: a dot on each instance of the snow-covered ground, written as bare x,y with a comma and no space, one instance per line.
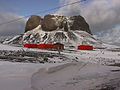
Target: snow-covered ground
8,47
80,76
70,76
17,76
80,70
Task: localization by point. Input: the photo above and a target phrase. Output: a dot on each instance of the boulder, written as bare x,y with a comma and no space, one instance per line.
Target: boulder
33,22
79,23
49,23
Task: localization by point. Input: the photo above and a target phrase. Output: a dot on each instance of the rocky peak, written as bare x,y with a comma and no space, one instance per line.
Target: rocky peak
79,23
56,22
33,22
49,23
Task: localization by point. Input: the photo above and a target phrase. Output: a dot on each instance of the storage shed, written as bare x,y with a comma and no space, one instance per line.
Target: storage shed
30,45
45,46
85,47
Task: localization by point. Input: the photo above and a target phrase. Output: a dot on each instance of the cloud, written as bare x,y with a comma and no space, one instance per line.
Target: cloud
69,10
13,28
103,16
112,36
100,14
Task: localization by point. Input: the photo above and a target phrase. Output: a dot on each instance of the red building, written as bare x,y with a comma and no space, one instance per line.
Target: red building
85,47
30,45
56,46
45,46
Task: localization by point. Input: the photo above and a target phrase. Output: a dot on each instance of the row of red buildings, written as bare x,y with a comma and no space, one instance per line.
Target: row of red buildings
57,46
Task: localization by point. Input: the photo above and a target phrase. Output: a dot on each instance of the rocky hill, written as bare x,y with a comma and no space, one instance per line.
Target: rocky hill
70,31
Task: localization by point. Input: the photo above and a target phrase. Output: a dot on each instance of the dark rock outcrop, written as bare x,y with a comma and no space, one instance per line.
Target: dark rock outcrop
59,35
53,22
79,23
48,23
71,35
33,22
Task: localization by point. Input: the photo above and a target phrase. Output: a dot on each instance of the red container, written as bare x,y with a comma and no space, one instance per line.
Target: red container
30,45
45,46
85,47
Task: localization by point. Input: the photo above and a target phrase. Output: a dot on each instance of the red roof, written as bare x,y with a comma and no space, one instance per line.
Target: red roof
85,47
45,46
30,45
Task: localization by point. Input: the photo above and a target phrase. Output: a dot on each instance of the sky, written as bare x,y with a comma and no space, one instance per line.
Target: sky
103,16
27,7
13,9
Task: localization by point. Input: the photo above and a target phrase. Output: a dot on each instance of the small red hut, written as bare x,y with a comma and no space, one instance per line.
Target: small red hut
85,47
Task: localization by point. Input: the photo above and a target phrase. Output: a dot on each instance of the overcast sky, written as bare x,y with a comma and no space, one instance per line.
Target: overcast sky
103,16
